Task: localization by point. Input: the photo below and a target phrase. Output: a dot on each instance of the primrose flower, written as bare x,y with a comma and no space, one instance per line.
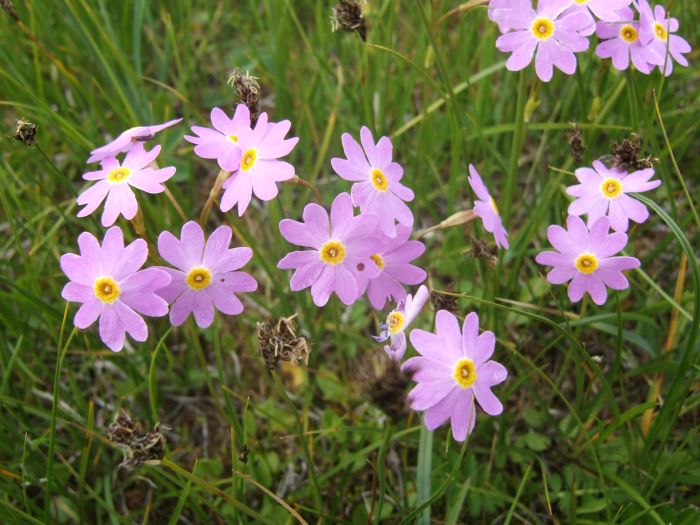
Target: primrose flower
124,142
621,41
656,28
606,10
221,143
107,281
585,258
552,33
486,209
339,249
260,171
501,12
453,368
394,262
205,276
398,321
116,181
602,191
378,188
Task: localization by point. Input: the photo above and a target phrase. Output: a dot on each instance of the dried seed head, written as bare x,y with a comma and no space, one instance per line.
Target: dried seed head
348,16
445,302
576,145
243,454
139,447
25,132
388,391
280,343
248,91
7,6
482,250
625,155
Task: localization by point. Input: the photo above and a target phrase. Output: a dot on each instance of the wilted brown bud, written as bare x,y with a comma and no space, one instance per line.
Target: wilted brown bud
348,16
280,343
625,155
248,90
139,447
576,145
25,132
482,250
388,391
445,302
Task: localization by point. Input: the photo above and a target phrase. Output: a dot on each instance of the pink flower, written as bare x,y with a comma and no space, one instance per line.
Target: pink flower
259,170
205,276
501,12
622,40
398,321
393,260
124,142
585,258
222,142
116,180
606,10
107,281
552,32
656,28
337,250
602,191
486,209
454,367
378,188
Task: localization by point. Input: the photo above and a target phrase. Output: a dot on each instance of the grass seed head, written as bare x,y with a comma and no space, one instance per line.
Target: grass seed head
279,342
248,90
348,16
576,145
625,155
139,447
25,131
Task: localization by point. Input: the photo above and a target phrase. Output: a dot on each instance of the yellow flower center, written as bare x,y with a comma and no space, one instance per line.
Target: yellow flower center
233,138
379,180
587,263
543,28
611,188
629,34
249,158
198,278
119,175
378,260
333,252
581,2
465,372
107,290
660,32
493,205
395,322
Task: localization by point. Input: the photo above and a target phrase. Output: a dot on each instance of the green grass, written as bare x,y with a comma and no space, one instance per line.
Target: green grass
583,438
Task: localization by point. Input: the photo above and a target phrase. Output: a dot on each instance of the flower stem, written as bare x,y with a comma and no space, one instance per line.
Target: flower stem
213,194
424,472
298,180
516,148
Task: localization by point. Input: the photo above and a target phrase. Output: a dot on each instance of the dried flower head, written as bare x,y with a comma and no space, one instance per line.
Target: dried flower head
387,390
348,16
139,447
625,155
483,250
442,301
576,144
280,342
248,90
25,131
8,7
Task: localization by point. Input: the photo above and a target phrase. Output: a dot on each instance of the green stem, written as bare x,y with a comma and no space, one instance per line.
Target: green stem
424,474
516,147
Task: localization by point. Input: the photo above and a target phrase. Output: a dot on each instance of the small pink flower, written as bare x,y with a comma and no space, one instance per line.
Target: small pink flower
552,33
116,181
602,191
205,276
107,281
657,28
259,170
621,41
398,321
486,209
127,140
394,262
585,258
502,12
453,369
337,250
377,187
222,142
606,10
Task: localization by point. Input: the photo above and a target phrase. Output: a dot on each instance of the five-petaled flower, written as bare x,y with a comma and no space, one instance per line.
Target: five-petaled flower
377,187
339,250
116,180
658,29
206,274
398,321
107,280
585,257
128,139
603,191
486,209
453,369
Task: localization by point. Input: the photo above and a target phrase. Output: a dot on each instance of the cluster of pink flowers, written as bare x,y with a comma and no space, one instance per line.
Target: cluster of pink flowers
556,30
585,253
